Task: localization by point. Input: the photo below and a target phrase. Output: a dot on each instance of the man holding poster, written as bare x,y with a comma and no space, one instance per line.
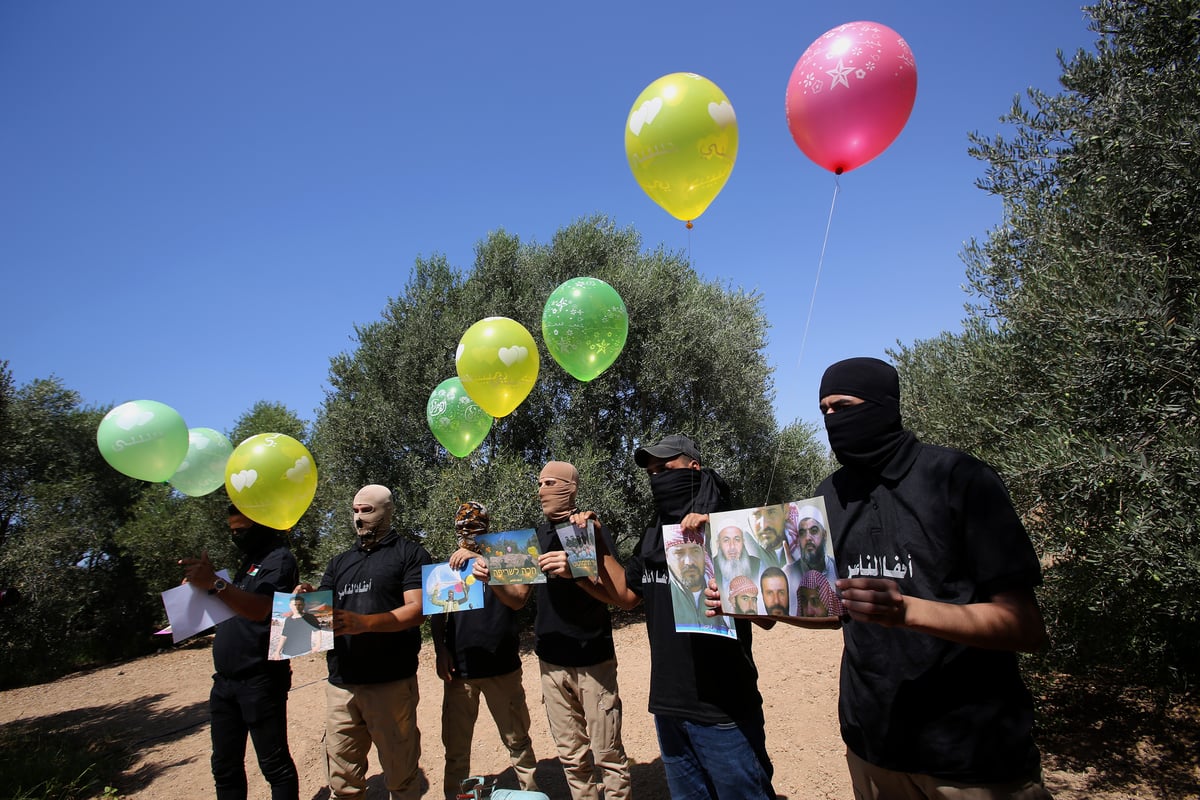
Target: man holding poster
939,584
249,693
703,688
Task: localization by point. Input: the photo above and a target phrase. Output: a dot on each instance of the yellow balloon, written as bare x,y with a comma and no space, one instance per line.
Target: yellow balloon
272,479
681,139
470,580
497,362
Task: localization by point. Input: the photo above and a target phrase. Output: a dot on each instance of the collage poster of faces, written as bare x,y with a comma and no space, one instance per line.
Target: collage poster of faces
770,561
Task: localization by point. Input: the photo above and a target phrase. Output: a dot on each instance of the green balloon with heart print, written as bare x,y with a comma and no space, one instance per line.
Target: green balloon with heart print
203,468
455,419
585,325
143,439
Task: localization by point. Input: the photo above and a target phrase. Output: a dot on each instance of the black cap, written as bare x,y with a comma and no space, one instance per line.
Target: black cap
670,446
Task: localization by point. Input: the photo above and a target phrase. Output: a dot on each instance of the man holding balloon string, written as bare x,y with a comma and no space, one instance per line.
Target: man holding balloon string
372,691
249,693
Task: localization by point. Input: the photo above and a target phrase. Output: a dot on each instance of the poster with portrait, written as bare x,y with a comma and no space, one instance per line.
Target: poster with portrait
776,561
446,590
511,556
580,547
689,570
300,624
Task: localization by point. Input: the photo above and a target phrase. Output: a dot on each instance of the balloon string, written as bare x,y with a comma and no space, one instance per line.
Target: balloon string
820,262
812,303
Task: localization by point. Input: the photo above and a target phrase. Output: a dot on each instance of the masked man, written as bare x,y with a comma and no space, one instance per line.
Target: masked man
372,691
703,688
576,655
249,694
478,655
940,577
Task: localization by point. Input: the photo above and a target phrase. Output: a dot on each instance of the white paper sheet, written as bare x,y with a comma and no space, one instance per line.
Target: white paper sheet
191,609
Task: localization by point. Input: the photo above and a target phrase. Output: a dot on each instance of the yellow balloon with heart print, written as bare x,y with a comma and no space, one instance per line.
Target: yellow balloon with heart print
681,139
272,479
497,362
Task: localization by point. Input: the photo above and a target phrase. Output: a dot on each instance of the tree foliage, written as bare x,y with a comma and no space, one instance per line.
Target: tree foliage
1078,372
693,363
60,504
89,549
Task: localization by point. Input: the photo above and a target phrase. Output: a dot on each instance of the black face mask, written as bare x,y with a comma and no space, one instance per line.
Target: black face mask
251,540
866,436
674,490
679,492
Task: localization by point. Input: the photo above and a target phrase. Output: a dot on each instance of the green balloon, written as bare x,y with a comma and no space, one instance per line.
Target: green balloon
455,419
143,439
203,468
584,325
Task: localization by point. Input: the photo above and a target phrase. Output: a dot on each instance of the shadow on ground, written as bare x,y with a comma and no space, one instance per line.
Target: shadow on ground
111,735
1122,734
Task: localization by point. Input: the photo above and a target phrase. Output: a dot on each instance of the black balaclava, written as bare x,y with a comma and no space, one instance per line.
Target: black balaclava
253,539
865,436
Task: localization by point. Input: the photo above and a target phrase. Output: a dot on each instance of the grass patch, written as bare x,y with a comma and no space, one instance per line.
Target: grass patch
36,764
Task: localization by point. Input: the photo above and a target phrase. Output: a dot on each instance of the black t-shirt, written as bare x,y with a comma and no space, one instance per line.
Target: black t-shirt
940,523
369,583
241,644
484,642
573,628
297,634
694,676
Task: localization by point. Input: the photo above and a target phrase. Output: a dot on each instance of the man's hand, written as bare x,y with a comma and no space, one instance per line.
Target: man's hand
199,571
555,564
712,599
875,600
461,556
580,519
347,623
304,588
445,665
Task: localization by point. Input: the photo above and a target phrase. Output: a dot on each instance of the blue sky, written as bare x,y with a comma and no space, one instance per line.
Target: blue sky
200,200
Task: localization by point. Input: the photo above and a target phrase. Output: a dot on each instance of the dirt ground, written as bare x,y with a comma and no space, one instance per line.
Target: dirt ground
160,703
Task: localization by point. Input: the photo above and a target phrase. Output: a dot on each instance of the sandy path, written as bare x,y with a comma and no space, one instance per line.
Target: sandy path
161,703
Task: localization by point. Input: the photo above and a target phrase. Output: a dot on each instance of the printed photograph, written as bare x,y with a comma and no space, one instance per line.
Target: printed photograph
301,624
511,556
447,590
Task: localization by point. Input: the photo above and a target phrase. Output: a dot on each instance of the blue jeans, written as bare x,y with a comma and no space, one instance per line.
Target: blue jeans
727,761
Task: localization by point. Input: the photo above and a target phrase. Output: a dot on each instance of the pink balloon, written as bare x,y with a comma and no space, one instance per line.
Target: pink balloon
850,94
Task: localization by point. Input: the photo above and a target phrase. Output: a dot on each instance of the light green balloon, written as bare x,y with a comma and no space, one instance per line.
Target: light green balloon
585,325
203,468
143,439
